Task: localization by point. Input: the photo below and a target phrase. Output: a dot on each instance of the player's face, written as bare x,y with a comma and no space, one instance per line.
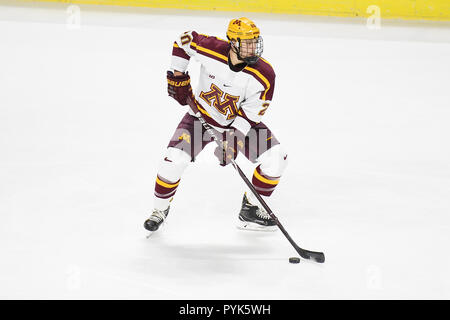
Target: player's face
248,48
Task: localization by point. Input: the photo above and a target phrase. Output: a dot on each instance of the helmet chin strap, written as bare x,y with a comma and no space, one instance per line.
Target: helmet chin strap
251,60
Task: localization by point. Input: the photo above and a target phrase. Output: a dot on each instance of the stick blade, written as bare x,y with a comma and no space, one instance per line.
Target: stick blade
313,255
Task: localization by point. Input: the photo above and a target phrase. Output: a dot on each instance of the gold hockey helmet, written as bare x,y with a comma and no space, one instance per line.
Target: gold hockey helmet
245,30
242,28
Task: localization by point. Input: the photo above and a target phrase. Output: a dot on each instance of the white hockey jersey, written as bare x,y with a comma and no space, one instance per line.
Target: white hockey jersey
224,97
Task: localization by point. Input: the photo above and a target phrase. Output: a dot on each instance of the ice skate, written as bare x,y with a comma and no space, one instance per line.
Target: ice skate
252,217
156,219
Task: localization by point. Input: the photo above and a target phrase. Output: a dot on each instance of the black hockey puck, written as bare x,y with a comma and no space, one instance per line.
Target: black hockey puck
294,260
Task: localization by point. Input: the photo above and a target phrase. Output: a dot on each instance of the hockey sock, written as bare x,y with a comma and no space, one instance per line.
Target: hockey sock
263,183
164,192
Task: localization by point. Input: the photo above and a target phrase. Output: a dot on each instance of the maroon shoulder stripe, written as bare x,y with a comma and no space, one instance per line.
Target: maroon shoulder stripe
176,51
212,56
219,46
267,72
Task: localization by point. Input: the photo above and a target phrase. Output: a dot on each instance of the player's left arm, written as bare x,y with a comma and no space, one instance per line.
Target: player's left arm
253,108
250,113
259,96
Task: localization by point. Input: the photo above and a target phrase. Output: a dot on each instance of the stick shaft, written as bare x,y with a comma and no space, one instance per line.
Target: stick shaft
213,133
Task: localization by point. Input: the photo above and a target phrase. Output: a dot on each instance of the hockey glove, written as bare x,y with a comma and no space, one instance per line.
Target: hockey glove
179,87
233,142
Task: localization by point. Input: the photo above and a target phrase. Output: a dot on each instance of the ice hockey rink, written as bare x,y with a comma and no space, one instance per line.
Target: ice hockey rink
84,119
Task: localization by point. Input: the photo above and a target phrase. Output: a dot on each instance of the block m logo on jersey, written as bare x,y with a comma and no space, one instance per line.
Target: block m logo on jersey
226,104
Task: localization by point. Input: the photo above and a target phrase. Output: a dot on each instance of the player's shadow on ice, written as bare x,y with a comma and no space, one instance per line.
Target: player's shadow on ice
219,256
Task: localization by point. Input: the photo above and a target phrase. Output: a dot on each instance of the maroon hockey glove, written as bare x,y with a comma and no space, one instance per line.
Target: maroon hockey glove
179,87
233,141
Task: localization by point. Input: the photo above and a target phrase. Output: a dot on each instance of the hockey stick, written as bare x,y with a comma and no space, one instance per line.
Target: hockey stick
305,254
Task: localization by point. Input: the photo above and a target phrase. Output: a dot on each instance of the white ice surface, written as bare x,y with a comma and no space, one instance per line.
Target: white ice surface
85,118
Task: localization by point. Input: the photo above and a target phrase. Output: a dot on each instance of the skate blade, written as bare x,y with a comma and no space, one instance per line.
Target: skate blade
152,232
244,225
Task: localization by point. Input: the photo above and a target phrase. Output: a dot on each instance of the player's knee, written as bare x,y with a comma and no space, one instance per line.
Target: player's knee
274,161
174,163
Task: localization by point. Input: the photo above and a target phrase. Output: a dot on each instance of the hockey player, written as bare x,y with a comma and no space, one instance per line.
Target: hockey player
235,89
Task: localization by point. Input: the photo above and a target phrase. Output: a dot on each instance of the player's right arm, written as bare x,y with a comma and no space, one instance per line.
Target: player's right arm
184,47
178,80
